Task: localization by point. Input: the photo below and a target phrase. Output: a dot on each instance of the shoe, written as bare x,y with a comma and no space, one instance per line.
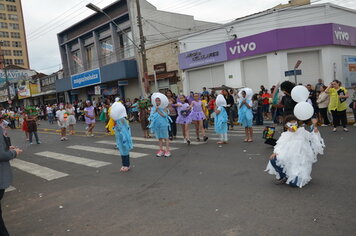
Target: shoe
171,138
198,139
346,130
354,125
92,135
188,142
324,125
31,143
39,142
334,129
62,139
205,138
185,141
167,154
280,181
160,153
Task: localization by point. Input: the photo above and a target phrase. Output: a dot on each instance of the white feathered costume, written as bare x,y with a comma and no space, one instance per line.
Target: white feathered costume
296,152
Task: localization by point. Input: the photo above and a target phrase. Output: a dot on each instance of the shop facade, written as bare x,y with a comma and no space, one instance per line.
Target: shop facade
326,50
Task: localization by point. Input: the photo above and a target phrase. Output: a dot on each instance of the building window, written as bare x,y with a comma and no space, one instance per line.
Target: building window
10,0
126,44
16,44
15,35
4,34
107,51
6,52
19,62
2,16
8,61
11,8
2,7
89,55
3,25
13,17
77,62
5,43
14,26
17,53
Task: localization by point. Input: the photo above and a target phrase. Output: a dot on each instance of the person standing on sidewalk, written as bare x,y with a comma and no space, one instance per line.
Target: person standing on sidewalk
62,120
71,118
323,103
32,125
230,103
89,114
172,114
7,153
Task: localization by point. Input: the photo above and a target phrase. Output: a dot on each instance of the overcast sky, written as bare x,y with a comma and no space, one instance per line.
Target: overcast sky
44,19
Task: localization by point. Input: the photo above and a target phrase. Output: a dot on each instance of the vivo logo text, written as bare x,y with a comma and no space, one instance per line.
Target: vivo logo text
242,48
341,35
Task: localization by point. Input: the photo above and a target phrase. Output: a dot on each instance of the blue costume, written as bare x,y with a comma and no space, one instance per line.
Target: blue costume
220,121
159,125
245,114
123,140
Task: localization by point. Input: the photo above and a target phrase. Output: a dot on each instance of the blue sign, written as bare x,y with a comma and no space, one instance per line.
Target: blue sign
86,79
291,72
123,82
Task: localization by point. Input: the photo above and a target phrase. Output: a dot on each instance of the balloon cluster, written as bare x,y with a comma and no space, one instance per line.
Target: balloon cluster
303,110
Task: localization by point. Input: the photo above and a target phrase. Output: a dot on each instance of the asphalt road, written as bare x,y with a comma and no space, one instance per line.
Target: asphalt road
201,190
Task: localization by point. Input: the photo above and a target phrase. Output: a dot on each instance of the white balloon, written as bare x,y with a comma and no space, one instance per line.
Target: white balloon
220,101
117,111
300,93
162,97
303,111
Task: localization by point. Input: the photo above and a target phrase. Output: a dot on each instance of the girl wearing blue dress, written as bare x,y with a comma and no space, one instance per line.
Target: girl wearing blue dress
159,125
220,121
246,116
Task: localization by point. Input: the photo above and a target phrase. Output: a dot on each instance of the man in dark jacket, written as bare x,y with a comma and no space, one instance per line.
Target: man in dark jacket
6,154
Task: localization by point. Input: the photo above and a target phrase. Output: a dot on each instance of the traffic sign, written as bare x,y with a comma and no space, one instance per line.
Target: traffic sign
292,72
297,64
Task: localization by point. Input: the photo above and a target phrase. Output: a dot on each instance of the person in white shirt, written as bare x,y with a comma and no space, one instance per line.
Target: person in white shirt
62,120
49,111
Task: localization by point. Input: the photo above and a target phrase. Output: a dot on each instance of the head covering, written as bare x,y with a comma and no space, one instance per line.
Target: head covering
220,101
117,111
162,97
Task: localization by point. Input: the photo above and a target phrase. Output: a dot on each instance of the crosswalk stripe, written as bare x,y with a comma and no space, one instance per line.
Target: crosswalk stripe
40,171
107,151
136,145
9,189
73,159
155,140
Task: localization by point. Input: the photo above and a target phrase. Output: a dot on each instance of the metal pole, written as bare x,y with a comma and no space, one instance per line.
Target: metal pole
5,71
155,77
295,76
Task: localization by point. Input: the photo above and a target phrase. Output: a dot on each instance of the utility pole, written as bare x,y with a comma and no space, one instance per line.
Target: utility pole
5,72
142,47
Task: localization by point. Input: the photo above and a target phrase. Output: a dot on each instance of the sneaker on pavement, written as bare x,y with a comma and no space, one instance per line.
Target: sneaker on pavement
334,129
346,130
324,125
354,125
167,154
160,153
184,141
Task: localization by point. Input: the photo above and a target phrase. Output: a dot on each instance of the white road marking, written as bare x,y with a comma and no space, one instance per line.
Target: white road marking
155,140
106,151
136,145
9,189
73,159
34,169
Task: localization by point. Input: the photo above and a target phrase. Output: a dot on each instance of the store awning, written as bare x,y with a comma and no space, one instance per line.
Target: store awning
44,93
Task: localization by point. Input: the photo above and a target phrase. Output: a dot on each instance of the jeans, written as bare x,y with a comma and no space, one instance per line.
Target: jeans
339,116
3,230
36,137
324,114
259,116
206,123
125,161
281,173
231,117
223,137
173,127
50,118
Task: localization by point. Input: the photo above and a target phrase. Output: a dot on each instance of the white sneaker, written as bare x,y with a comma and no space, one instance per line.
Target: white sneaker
184,141
160,153
167,154
324,125
354,125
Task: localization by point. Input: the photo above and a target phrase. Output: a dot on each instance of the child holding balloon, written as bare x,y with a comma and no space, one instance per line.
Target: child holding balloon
159,123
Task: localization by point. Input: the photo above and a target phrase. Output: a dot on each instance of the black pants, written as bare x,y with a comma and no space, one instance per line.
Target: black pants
173,127
36,137
125,161
3,230
324,115
339,116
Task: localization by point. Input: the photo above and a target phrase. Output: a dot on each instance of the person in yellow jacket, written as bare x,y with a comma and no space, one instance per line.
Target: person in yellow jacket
111,123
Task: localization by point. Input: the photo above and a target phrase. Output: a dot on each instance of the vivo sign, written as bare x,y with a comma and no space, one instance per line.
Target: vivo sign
270,41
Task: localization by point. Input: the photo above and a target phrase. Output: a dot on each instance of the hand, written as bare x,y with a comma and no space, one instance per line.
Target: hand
18,151
243,101
273,156
12,147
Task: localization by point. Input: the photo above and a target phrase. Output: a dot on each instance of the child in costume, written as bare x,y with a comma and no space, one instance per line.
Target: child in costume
197,116
295,153
246,115
111,123
221,119
122,134
205,102
24,125
184,117
143,115
159,122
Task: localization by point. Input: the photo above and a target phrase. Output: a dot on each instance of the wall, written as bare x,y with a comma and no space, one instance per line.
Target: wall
166,53
131,90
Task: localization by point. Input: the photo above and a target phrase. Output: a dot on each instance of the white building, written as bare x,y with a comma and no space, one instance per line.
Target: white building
258,49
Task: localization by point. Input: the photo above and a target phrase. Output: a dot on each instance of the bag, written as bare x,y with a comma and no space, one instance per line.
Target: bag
185,113
352,105
342,93
268,132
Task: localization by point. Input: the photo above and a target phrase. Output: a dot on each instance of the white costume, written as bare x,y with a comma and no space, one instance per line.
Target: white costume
296,152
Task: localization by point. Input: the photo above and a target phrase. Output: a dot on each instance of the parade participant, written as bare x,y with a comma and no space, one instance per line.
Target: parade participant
89,115
172,114
62,121
111,123
205,102
221,119
159,122
197,116
122,133
246,115
24,125
143,115
32,124
71,118
184,118
295,153
7,153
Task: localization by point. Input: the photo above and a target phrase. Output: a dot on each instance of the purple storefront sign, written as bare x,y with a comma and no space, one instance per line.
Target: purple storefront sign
203,56
271,41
